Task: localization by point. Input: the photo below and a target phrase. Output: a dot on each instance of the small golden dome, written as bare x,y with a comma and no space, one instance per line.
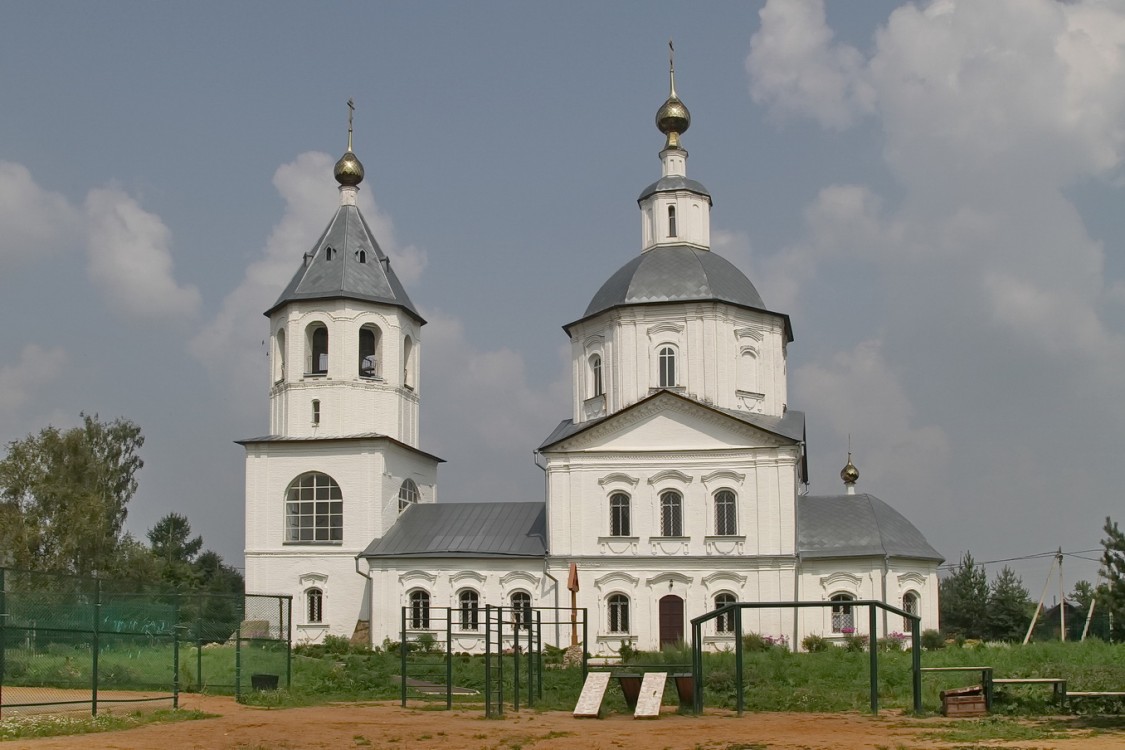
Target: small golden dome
349,170
850,474
673,118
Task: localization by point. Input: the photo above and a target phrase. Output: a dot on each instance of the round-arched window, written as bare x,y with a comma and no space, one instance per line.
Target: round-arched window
314,510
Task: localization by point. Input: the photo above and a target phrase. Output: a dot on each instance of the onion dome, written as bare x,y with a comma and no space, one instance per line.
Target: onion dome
673,118
850,474
349,170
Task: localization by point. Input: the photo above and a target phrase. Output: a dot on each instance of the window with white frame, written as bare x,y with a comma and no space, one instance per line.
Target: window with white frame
315,412
597,387
619,524
407,495
671,513
910,606
420,610
408,363
726,516
617,606
724,623
521,609
318,349
281,354
842,619
468,602
314,510
671,221
666,367
370,351
314,606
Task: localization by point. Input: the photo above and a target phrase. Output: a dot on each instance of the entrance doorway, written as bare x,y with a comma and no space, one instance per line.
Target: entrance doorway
671,620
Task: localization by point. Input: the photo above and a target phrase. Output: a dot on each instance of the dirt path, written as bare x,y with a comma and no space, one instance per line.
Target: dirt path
390,726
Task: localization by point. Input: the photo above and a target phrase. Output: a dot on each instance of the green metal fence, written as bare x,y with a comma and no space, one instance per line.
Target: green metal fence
80,644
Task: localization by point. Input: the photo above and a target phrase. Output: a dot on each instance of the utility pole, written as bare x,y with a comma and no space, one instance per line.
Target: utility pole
1062,599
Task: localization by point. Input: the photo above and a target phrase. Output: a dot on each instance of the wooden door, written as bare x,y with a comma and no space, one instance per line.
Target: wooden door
671,620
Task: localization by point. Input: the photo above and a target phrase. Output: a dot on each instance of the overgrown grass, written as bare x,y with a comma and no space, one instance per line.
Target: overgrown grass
48,725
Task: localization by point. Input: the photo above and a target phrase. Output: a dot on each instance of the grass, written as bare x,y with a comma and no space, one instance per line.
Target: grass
48,725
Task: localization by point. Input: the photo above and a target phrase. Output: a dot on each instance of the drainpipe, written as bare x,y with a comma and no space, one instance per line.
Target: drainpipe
370,601
886,571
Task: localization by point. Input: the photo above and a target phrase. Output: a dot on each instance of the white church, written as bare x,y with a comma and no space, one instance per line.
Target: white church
675,485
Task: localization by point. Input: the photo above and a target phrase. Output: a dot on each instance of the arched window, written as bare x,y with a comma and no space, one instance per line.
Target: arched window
280,354
316,412
842,620
724,623
671,514
361,256
419,610
370,352
314,510
671,221
597,388
667,367
318,349
407,495
469,602
408,363
314,605
618,607
521,609
619,514
748,371
726,517
909,605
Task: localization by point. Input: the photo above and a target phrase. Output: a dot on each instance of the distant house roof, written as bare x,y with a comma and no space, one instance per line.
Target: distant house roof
857,526
466,530
347,262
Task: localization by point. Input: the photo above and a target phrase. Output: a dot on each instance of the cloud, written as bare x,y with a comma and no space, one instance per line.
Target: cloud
230,344
34,370
131,260
488,414
797,68
34,222
858,394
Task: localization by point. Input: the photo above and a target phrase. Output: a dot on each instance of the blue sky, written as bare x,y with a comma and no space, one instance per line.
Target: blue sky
932,192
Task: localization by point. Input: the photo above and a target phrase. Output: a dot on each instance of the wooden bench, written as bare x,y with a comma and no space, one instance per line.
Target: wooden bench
985,679
1058,684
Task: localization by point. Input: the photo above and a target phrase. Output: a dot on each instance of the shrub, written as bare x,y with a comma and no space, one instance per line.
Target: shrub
932,640
855,643
626,652
755,642
15,668
814,643
892,642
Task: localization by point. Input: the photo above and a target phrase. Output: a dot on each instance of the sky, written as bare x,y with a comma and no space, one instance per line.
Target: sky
930,190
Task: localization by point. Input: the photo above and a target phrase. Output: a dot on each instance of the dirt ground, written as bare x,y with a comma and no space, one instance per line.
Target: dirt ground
390,726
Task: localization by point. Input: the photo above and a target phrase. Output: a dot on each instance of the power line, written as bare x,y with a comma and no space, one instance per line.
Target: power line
1035,556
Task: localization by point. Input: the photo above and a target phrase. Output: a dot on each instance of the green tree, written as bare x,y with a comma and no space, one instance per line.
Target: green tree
1009,608
964,599
64,496
1113,571
175,550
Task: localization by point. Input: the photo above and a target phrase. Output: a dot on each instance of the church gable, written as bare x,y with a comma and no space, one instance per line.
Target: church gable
669,423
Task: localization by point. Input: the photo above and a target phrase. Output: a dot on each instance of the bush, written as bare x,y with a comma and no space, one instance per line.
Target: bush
932,640
855,643
892,642
755,642
815,644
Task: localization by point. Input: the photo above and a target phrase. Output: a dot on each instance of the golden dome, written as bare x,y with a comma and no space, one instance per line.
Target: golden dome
673,118
850,474
349,170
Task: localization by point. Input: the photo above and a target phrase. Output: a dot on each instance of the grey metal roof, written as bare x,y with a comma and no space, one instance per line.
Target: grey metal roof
676,273
790,425
857,526
466,530
341,273
671,183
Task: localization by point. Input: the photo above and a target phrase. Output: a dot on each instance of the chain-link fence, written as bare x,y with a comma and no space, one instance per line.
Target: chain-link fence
77,644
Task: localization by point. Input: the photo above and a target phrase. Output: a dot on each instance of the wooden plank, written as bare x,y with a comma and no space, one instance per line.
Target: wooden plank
1028,681
593,691
954,669
652,693
1096,694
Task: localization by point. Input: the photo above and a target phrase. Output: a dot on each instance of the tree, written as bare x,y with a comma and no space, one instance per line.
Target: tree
175,550
1113,571
64,495
1009,608
964,599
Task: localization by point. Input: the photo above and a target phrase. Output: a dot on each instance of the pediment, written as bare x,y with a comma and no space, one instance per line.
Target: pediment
669,423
